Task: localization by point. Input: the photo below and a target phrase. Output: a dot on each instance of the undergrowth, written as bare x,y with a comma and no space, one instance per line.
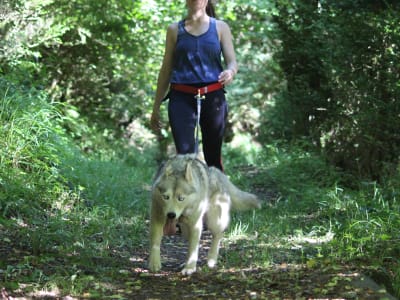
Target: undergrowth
63,208
320,219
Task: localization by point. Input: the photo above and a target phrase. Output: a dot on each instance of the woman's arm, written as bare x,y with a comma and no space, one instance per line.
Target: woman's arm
228,52
164,75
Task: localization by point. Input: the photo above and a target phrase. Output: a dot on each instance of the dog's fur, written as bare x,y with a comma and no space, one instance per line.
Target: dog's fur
186,191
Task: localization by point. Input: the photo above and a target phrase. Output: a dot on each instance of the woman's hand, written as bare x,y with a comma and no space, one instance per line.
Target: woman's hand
226,77
155,122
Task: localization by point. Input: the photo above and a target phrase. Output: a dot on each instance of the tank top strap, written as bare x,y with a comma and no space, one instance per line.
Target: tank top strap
181,27
213,23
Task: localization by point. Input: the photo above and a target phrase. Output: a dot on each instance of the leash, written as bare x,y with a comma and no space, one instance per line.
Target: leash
198,98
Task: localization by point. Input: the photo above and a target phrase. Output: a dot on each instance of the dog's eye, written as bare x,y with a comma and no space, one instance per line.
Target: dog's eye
165,197
181,198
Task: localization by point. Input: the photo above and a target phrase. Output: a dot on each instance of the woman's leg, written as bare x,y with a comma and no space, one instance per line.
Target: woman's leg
182,113
214,113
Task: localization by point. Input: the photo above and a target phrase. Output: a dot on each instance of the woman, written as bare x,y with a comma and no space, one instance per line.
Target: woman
192,60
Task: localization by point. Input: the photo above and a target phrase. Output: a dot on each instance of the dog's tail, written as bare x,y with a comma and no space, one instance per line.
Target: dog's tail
241,200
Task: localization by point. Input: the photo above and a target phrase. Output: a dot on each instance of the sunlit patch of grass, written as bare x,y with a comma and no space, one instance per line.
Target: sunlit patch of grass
243,150
239,231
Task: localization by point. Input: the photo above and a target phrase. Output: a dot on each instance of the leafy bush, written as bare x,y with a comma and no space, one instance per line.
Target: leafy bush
342,88
100,56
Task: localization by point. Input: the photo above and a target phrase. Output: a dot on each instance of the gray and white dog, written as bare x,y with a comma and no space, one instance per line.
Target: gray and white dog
187,192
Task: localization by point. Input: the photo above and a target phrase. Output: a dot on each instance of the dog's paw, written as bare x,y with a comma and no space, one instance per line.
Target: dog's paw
154,265
188,271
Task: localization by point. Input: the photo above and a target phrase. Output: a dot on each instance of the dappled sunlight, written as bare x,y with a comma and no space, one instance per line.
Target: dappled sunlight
313,131
48,294
311,238
239,232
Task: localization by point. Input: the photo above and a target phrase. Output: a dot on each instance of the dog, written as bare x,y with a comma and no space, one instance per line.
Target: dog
186,192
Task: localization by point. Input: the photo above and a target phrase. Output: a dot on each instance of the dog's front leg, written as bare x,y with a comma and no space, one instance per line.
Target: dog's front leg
193,251
214,249
156,233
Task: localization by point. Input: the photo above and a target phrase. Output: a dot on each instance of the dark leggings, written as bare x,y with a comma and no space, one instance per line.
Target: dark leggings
182,112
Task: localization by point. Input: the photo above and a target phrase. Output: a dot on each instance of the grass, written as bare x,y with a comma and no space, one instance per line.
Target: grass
315,219
61,209
69,220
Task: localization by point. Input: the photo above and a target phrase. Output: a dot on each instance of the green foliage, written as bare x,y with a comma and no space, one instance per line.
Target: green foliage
31,138
90,68
326,222
294,80
56,203
339,63
363,125
259,77
73,194
101,56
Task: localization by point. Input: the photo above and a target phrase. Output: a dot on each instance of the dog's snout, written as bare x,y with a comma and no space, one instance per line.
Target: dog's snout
171,215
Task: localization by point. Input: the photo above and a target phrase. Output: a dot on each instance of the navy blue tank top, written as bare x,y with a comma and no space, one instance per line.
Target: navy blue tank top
197,59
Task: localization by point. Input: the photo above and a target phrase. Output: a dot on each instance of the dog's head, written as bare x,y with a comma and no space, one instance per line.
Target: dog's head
175,191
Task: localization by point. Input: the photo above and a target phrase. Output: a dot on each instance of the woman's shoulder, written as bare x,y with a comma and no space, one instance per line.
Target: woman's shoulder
173,26
222,26
172,33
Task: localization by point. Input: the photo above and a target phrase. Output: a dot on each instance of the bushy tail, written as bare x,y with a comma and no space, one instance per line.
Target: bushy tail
241,200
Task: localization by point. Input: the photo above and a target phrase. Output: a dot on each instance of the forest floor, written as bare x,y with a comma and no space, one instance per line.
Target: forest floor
279,281
127,277
123,274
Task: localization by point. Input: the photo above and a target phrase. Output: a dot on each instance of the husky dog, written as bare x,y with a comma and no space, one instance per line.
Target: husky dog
186,191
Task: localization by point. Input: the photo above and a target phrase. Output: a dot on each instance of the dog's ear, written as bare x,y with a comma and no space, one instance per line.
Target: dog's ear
188,172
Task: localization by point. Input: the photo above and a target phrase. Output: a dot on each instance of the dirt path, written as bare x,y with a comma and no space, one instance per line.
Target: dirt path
273,282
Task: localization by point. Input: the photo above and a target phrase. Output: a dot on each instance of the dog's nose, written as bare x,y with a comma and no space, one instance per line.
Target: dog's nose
171,215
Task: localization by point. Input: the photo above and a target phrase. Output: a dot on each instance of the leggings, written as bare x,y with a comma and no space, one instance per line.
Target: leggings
182,113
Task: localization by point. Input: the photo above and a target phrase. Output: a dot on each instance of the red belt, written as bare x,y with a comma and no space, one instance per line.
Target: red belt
196,90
